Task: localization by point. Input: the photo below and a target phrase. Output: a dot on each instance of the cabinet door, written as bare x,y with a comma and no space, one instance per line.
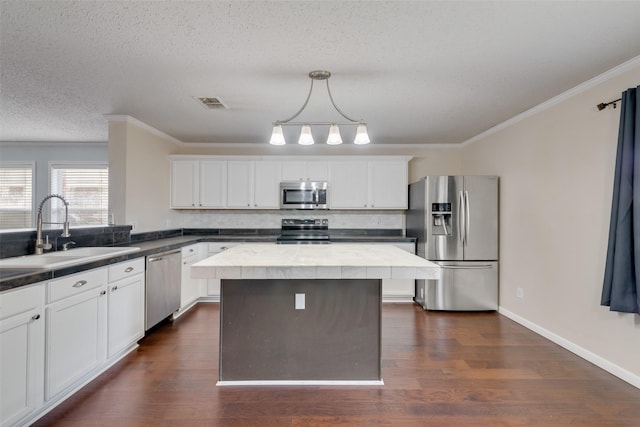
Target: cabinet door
267,184
125,314
75,339
239,184
317,170
388,185
213,285
297,170
184,183
294,170
348,186
213,183
21,354
190,288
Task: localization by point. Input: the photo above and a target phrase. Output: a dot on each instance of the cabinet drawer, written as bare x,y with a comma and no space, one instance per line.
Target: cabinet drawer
220,246
125,269
75,284
190,250
21,300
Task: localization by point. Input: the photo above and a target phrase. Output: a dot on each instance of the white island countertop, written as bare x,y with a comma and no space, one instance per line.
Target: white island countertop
344,261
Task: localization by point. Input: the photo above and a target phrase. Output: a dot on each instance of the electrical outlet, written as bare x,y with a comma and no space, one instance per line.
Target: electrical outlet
520,293
133,225
300,301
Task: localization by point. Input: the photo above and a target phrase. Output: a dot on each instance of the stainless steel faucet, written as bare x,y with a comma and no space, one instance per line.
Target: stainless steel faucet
40,244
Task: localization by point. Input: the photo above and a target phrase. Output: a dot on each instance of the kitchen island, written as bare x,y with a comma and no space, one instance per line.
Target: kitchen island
304,314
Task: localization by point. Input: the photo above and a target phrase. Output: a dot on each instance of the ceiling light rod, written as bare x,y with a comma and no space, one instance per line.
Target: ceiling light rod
334,138
603,105
318,75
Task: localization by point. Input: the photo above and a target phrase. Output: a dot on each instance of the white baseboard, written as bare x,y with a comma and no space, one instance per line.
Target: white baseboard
397,298
599,361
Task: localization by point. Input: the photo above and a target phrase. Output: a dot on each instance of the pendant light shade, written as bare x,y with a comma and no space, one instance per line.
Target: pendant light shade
277,137
305,136
334,137
362,137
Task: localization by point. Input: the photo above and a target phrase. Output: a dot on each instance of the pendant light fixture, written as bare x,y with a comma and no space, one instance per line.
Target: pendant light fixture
306,138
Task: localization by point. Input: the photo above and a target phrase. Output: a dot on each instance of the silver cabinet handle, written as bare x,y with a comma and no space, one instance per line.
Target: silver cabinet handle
80,283
223,248
128,269
103,293
35,317
114,288
159,258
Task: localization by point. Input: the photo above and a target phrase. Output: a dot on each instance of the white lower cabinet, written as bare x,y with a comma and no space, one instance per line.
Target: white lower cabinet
213,285
190,288
397,290
76,326
21,354
125,313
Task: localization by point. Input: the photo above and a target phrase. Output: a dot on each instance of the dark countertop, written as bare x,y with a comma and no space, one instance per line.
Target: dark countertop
15,278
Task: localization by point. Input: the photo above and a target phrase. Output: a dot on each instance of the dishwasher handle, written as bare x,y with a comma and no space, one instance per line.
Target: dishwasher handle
161,256
466,267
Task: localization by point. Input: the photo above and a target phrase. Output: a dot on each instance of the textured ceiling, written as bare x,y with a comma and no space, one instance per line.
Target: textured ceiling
417,72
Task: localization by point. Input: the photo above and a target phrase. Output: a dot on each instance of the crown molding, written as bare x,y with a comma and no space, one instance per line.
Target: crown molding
576,90
42,144
142,125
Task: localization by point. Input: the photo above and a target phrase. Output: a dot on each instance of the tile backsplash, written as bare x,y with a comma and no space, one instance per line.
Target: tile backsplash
272,218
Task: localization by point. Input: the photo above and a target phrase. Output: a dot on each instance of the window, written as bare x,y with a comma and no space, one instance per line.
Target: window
86,188
16,195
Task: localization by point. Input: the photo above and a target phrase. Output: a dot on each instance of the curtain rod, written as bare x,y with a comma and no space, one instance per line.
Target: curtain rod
603,105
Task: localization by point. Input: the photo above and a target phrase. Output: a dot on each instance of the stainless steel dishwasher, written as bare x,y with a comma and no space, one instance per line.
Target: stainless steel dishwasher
162,287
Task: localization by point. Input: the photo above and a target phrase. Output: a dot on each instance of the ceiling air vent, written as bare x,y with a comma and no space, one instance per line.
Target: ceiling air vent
211,103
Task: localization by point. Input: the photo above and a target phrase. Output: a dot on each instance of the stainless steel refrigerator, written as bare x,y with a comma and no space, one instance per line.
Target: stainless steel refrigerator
455,221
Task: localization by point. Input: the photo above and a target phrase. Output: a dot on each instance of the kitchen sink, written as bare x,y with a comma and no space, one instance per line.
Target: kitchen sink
68,258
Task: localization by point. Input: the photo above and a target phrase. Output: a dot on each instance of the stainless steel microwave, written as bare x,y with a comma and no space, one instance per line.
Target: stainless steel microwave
303,195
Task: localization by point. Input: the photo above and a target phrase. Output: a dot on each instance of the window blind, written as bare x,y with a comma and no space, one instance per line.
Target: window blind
86,189
16,196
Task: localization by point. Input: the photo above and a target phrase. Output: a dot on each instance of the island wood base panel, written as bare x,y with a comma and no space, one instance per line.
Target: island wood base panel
265,335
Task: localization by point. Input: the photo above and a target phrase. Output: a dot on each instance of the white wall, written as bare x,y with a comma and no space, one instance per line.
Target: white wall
139,174
556,169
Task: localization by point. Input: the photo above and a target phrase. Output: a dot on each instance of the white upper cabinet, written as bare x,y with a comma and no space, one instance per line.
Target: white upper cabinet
267,177
198,184
184,183
388,184
355,182
301,170
348,185
213,175
373,184
240,184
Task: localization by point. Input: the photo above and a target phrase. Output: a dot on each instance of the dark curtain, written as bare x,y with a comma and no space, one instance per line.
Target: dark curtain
621,286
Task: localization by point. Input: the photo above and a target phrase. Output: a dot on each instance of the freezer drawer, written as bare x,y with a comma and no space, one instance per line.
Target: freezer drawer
464,286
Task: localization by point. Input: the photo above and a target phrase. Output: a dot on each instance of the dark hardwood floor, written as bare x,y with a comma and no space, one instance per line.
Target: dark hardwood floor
439,369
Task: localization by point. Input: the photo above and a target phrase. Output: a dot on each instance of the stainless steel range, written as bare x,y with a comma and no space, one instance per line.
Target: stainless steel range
311,230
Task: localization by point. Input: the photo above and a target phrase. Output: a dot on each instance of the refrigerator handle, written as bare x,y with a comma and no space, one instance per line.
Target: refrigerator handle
467,216
460,217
